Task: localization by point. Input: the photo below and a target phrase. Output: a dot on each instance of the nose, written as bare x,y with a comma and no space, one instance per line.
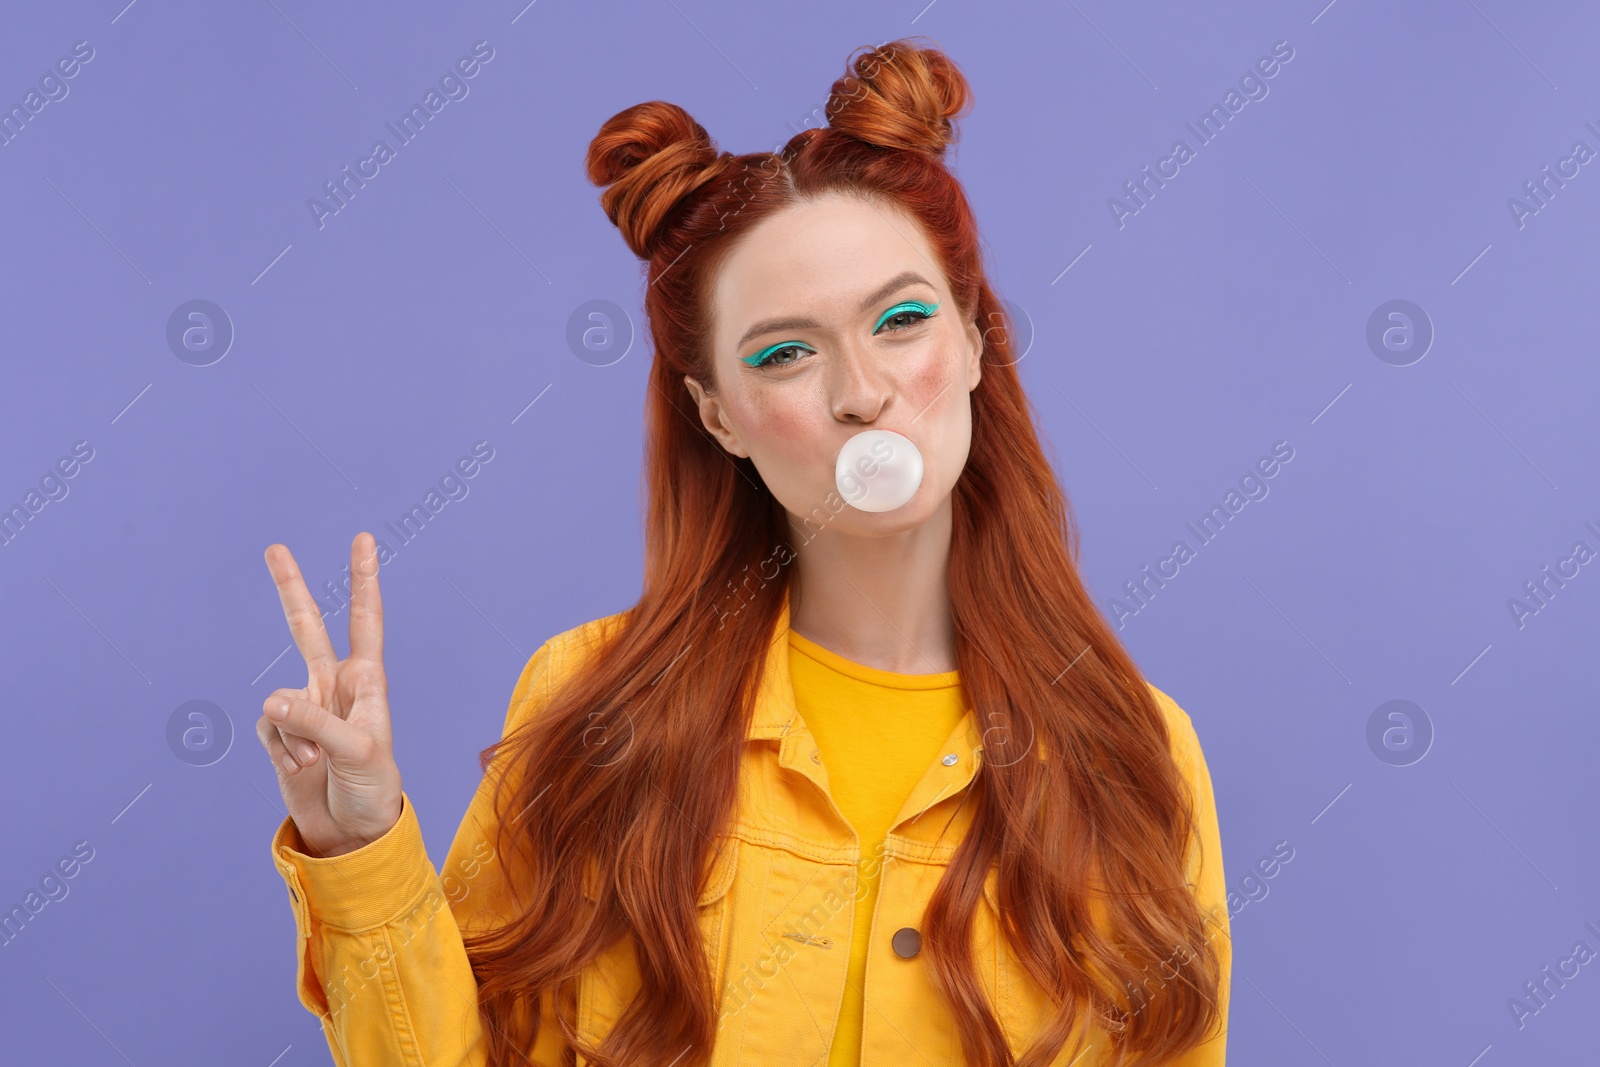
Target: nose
860,391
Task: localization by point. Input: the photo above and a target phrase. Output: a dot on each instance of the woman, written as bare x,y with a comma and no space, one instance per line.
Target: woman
865,786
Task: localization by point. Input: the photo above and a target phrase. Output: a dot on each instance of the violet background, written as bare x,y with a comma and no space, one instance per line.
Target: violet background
430,313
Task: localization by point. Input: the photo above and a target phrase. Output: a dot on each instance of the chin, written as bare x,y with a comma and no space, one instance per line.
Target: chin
923,506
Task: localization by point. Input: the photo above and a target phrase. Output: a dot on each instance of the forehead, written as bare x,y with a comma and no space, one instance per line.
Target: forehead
818,257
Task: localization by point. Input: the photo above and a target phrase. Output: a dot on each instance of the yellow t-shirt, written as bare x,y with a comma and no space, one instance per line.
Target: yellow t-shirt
878,731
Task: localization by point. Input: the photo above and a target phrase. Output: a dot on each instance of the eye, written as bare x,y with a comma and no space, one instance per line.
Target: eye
910,312
768,356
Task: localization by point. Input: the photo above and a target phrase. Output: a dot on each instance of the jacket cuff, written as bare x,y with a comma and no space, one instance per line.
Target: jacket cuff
361,889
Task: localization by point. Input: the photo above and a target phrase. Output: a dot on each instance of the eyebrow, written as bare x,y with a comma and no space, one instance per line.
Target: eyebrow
898,282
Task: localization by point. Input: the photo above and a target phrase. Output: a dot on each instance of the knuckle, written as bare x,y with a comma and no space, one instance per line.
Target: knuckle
365,749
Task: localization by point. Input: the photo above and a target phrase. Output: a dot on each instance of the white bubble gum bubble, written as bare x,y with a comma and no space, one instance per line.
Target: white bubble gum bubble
878,470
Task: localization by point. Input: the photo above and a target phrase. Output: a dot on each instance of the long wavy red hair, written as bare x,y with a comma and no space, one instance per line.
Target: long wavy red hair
1114,812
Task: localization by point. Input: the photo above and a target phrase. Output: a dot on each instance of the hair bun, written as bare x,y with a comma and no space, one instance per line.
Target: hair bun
648,157
897,95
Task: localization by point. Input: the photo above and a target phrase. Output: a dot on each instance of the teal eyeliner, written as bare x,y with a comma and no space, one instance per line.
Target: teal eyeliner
927,311
756,359
906,305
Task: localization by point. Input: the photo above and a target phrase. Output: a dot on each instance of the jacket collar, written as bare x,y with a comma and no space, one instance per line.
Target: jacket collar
775,711
776,716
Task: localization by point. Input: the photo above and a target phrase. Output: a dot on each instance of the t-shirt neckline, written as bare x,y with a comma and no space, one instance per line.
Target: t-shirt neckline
871,675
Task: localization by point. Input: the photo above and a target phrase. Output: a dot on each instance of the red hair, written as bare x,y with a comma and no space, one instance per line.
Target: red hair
1091,816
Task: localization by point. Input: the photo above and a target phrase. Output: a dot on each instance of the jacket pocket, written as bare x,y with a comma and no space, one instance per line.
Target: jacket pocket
607,986
990,953
1020,1005
713,909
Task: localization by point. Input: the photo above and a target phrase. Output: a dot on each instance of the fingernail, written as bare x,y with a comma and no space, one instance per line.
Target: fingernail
289,764
278,711
305,752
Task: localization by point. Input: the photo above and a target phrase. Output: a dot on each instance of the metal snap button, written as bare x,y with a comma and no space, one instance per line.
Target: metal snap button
950,760
907,942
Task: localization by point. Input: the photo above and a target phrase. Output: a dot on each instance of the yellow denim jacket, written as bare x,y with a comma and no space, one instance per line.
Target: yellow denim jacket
381,960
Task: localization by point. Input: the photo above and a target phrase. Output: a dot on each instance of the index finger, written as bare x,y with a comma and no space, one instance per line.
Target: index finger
366,604
305,620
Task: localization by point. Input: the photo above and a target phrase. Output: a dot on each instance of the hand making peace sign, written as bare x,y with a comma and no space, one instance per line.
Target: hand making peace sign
330,742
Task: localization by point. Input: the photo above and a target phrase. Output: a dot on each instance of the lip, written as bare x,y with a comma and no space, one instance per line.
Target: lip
890,429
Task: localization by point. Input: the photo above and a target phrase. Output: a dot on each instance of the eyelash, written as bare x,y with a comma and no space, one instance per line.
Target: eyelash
906,307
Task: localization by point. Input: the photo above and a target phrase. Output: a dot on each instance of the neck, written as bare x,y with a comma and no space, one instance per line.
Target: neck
880,601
